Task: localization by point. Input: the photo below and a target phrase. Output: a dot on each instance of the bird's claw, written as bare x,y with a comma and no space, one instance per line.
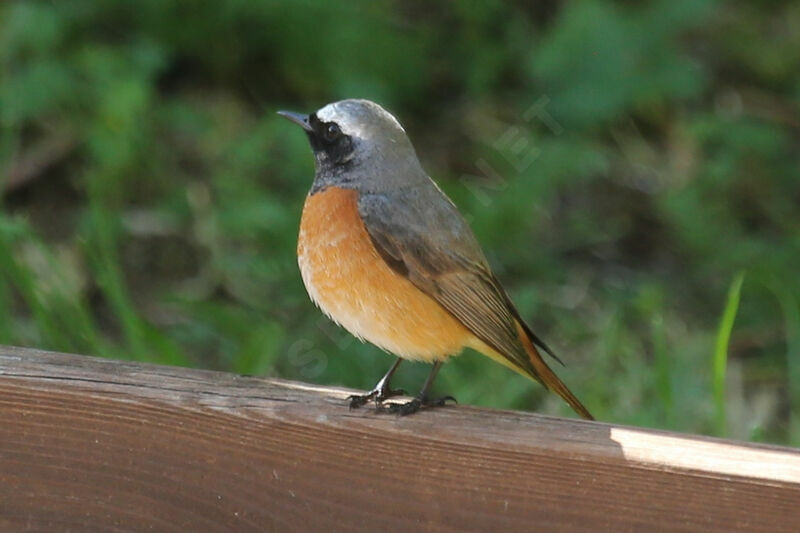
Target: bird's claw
376,395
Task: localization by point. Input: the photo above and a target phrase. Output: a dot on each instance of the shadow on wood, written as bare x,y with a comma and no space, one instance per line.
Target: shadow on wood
97,445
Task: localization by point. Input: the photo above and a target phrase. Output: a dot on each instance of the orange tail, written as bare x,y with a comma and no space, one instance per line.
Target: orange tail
548,378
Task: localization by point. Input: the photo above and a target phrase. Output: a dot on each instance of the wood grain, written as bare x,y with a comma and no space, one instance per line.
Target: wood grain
90,444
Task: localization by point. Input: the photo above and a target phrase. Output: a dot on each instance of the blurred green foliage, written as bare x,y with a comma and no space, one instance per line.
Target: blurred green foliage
620,162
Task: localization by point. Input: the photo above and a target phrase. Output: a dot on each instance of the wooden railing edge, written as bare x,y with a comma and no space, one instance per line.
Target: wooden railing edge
459,466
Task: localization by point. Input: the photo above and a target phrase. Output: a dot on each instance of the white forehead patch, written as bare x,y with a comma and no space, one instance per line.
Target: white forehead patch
328,113
357,117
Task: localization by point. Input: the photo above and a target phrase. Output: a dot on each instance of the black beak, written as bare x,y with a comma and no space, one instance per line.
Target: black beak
298,118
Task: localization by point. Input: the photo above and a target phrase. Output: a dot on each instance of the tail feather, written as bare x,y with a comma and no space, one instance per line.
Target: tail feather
542,373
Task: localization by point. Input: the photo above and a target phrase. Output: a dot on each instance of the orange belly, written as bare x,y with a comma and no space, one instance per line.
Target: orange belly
351,283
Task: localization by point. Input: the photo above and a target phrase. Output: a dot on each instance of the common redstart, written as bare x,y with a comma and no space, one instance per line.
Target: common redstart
386,255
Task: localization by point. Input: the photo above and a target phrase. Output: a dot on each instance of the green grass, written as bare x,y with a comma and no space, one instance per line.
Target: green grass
721,352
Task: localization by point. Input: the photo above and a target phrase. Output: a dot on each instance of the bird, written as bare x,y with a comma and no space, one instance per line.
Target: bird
385,254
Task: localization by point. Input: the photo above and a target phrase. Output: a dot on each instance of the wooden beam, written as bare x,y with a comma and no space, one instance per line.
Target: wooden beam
89,444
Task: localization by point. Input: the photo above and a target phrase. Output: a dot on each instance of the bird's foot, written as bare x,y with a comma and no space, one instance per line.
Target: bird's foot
409,408
378,395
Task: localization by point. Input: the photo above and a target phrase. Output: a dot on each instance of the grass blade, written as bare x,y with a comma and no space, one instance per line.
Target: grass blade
721,351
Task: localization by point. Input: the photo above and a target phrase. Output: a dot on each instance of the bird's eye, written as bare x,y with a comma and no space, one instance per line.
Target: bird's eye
332,132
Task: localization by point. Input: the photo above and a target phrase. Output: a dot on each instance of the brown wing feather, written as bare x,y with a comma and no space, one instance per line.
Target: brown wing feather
476,303
447,264
465,288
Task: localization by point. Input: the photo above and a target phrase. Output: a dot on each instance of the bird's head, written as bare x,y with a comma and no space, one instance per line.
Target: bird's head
357,141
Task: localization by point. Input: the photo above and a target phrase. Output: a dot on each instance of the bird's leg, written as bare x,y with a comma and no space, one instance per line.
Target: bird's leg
422,399
381,392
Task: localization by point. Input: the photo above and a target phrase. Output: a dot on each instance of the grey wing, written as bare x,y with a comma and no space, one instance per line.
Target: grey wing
424,238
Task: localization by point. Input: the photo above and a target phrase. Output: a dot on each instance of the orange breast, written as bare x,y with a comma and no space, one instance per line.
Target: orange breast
351,283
